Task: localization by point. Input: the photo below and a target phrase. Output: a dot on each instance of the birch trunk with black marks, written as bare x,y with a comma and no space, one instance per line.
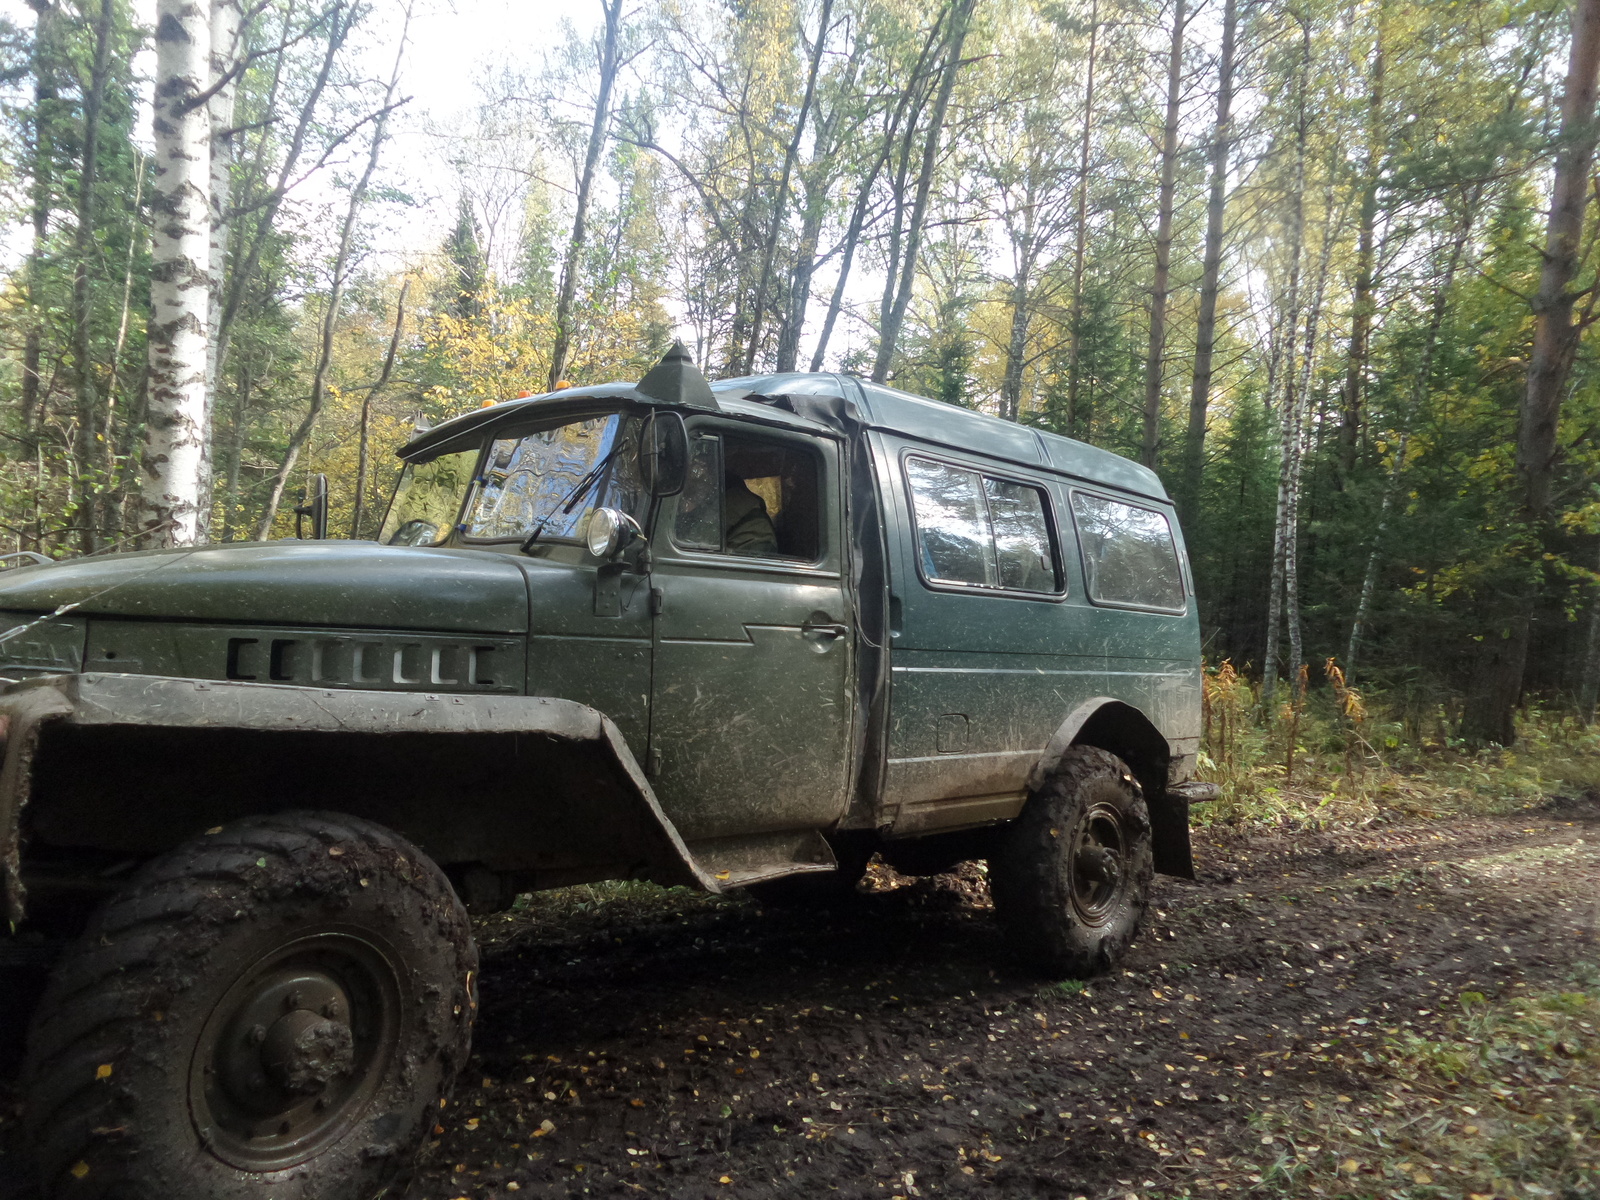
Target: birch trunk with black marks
1301,420
1155,354
93,463
1361,308
1288,411
173,459
226,22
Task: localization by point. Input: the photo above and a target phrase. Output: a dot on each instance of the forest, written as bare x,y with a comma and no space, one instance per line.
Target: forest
1325,265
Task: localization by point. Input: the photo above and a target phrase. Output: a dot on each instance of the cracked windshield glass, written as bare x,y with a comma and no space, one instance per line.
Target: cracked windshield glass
526,481
427,499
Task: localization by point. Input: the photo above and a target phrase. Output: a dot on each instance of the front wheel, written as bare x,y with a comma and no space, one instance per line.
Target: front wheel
1071,876
274,1010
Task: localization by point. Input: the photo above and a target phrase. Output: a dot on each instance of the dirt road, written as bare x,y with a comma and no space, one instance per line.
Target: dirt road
681,1046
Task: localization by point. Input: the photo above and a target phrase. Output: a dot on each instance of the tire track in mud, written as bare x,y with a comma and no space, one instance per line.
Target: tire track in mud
681,1046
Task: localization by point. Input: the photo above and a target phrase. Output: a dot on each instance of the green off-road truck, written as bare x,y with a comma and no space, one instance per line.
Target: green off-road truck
741,635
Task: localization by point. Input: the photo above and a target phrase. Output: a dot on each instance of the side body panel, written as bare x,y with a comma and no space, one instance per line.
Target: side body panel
982,682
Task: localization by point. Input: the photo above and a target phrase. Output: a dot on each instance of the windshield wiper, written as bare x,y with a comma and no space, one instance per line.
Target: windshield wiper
568,502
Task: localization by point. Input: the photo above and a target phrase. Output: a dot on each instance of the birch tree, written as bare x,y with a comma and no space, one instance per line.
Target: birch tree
175,459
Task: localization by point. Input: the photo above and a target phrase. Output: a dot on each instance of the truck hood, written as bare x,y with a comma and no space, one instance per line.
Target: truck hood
324,583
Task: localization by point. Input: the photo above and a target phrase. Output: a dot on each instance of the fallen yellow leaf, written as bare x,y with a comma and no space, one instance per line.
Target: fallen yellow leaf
1422,1177
103,1071
1349,1166
79,1170
636,1103
726,1179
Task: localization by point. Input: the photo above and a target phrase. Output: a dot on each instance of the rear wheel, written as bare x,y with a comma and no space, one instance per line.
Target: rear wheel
1071,876
275,1010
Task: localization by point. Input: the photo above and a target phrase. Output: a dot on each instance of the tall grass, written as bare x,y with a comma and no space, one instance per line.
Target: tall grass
1334,755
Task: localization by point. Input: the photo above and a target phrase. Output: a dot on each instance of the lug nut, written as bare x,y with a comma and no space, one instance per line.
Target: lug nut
257,1035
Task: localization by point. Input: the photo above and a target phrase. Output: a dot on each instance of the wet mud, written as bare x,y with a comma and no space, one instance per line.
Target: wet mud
675,1045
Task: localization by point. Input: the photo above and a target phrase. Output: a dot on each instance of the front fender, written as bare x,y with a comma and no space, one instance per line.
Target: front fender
133,765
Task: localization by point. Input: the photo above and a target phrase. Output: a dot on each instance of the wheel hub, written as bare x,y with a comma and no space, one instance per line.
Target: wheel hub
294,1050
1099,854
304,1051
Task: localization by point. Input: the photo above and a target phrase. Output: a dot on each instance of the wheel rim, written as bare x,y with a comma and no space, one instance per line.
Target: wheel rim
1099,862
295,1049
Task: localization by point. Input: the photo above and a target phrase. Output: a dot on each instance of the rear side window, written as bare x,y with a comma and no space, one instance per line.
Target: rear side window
1128,554
979,531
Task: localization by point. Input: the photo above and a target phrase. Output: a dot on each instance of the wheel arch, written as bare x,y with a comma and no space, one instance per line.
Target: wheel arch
1121,728
537,790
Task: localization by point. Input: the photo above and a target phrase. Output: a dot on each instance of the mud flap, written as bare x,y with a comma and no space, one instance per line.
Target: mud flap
1169,834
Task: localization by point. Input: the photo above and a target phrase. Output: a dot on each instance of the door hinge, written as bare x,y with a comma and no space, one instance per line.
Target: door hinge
656,604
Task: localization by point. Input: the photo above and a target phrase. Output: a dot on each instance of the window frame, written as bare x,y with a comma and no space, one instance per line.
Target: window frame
1083,559
1053,529
720,430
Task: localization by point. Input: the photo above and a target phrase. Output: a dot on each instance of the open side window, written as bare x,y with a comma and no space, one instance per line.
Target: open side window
752,497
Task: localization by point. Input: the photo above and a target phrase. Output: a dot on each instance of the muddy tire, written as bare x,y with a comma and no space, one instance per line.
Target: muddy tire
275,1010
1071,876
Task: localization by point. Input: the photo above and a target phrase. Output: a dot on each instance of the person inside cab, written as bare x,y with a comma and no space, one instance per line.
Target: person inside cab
747,528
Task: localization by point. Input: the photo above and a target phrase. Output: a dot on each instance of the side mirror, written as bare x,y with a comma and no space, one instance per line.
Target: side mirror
663,453
315,507
609,531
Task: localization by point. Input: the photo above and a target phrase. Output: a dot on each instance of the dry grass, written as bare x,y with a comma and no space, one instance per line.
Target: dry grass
1332,757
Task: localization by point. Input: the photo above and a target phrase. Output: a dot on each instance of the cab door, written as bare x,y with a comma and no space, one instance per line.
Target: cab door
753,642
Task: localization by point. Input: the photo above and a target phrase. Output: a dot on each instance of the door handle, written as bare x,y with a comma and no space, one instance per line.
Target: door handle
825,629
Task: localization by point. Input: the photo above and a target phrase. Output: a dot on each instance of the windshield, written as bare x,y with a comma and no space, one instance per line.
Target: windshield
427,499
526,480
